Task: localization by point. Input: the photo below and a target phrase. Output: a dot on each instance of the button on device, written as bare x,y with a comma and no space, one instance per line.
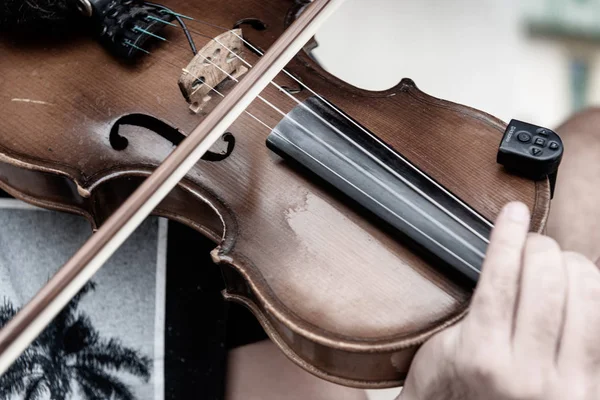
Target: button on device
524,137
543,131
522,151
535,151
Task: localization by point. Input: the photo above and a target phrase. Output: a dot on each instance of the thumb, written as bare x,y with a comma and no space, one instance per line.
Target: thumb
433,365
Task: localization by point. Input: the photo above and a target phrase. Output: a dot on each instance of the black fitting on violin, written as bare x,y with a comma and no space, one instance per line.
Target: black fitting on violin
126,27
531,151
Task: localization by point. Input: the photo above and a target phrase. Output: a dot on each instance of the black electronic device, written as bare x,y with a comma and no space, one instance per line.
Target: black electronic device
531,151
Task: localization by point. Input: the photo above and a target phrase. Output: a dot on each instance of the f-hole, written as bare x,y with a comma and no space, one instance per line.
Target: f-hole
166,131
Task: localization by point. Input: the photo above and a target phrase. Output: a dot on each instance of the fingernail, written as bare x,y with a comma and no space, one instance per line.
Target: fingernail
517,212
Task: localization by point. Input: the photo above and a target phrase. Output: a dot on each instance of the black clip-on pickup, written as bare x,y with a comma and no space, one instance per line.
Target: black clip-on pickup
531,151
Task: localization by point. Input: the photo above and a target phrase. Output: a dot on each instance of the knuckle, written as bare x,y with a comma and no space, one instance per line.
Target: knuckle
593,347
450,341
506,236
552,281
542,252
482,367
581,268
578,260
503,242
541,243
498,374
504,287
568,391
495,373
543,267
479,309
545,330
525,383
590,290
577,387
527,389
492,306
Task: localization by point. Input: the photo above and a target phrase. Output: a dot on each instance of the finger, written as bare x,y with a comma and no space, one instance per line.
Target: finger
495,295
541,302
580,345
434,363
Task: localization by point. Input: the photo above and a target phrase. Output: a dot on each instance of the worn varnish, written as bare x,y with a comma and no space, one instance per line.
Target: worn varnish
341,296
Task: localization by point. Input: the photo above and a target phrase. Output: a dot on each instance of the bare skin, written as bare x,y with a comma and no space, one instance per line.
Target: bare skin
531,332
532,329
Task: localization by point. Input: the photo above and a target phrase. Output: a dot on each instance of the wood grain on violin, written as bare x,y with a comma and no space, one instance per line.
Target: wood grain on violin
338,292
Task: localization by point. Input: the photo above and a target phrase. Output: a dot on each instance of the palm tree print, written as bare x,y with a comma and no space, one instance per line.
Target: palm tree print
70,353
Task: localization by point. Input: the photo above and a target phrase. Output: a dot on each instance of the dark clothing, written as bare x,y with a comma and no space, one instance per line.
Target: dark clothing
147,317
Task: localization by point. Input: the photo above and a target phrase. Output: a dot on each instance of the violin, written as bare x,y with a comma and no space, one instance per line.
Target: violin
344,219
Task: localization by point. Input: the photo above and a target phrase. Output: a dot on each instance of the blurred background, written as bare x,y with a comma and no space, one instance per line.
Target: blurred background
537,60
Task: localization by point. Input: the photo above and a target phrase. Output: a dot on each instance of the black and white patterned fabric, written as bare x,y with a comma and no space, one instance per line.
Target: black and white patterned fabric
151,324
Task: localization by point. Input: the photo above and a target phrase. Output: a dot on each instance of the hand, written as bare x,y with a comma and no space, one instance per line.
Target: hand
533,330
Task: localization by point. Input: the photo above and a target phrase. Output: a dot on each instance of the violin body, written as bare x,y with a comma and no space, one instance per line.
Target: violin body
341,295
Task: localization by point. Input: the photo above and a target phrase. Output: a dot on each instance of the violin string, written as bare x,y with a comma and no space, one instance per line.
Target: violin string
203,82
341,155
393,172
337,152
468,227
258,51
339,132
211,89
346,159
365,151
179,20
